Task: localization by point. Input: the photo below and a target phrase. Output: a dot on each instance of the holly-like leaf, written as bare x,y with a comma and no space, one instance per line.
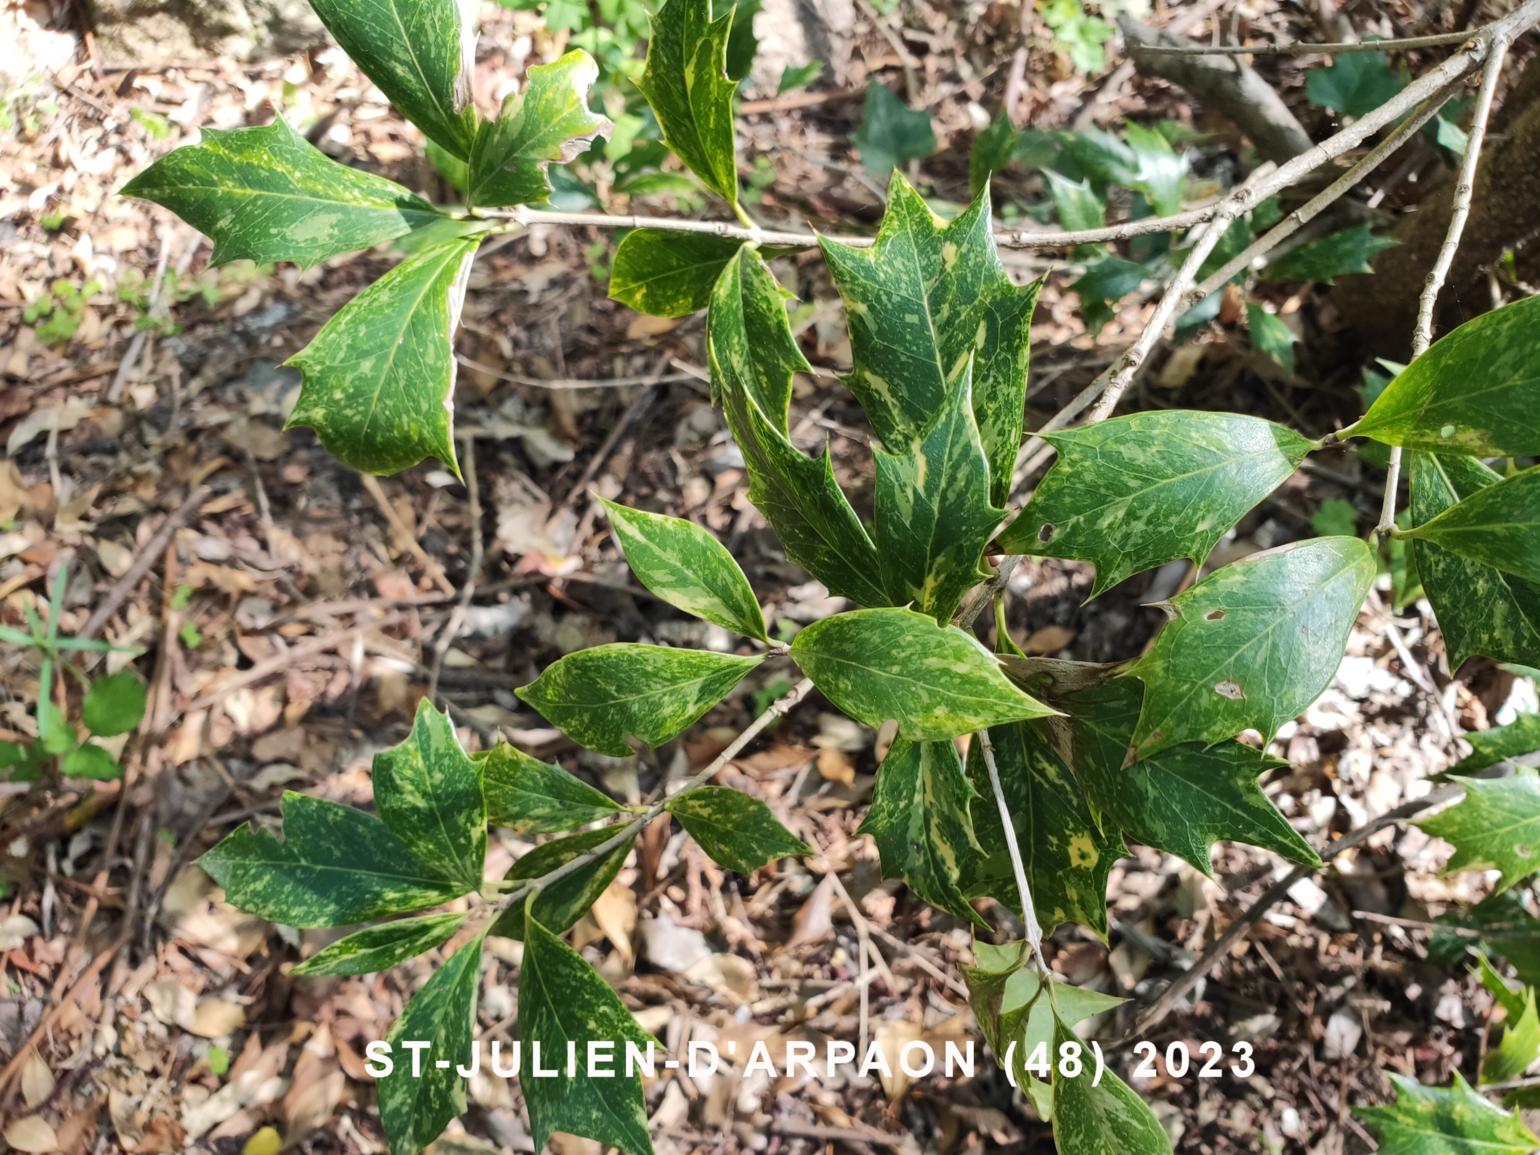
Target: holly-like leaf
922,300
1475,391
533,797
419,54
1102,1117
1481,610
685,81
268,194
1138,491
378,379
1270,336
1498,526
753,358
1446,1121
567,899
1066,855
1076,204
563,1001
428,792
1496,826
335,866
1253,644
603,696
668,274
922,825
936,681
737,830
1503,926
1181,800
993,148
933,513
1354,83
1333,256
1500,744
549,122
415,1107
687,567
380,947
891,132
1519,1047
1105,282
114,704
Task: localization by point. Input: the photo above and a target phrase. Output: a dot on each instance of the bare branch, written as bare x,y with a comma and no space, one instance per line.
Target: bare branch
1007,823
1406,44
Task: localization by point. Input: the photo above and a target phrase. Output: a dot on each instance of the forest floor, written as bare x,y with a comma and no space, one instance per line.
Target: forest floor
287,613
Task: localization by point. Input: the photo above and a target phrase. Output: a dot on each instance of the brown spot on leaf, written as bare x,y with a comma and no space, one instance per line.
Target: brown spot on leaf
1229,689
1047,532
1214,616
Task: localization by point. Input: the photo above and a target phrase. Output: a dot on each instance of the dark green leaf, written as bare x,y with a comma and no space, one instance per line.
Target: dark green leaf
1103,1117
742,44
561,1001
1253,644
1500,744
1498,526
933,514
533,797
564,901
1105,282
687,567
603,696
1481,610
548,122
1438,1121
114,704
1475,391
1138,491
1503,926
428,792
891,133
1510,1000
268,194
1270,336
936,681
753,357
922,825
1335,517
91,761
1337,255
1075,203
335,866
1519,1047
380,947
420,55
795,76
993,149
738,831
686,83
1159,170
922,301
415,1110
1496,826
1354,83
668,274
378,379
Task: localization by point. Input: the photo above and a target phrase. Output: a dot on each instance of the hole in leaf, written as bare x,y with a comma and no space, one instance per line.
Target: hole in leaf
1214,615
1047,532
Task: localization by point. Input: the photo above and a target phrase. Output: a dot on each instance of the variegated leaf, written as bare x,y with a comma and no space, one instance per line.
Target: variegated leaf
268,194
380,947
1101,1117
604,696
1496,826
378,379
1517,739
428,791
1446,1121
736,830
567,899
1138,491
533,797
1498,526
686,83
668,274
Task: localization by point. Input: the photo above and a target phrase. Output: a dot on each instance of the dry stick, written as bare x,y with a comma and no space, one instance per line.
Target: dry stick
1008,824
1407,44
1465,185
456,621
145,559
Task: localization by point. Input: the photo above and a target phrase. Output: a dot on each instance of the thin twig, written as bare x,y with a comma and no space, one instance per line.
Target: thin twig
456,621
143,560
1406,44
1023,888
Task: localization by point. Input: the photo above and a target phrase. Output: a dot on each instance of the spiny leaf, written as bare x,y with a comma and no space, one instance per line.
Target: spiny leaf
428,792
738,831
1500,744
1440,1121
1138,491
1253,644
419,54
1353,84
1481,610
1324,260
1067,857
380,947
891,132
921,823
753,358
533,797
1497,526
561,1001
668,274
335,866
1271,336
602,696
1519,1046
1475,391
687,567
1103,1117
268,194
933,514
1496,826
114,704
922,300
564,901
1181,800
549,122
378,379
935,681
415,1110
1503,927
686,83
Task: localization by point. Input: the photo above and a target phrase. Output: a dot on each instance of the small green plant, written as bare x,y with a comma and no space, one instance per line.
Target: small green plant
58,311
110,705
